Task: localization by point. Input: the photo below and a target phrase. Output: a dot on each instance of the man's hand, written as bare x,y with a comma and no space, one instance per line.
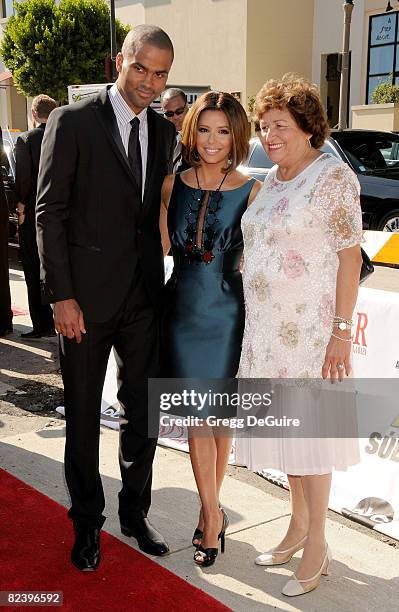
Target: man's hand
21,213
68,319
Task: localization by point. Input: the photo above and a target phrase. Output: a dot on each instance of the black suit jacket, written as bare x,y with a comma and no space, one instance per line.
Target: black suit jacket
27,158
92,227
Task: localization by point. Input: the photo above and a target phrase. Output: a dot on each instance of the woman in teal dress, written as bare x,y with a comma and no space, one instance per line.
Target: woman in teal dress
204,312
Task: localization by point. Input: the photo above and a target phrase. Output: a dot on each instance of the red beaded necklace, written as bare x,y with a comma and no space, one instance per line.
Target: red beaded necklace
211,200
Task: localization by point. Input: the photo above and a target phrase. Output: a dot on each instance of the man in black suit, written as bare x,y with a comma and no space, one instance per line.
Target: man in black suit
27,157
5,296
102,166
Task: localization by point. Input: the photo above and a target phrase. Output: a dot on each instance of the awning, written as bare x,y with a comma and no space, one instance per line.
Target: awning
5,75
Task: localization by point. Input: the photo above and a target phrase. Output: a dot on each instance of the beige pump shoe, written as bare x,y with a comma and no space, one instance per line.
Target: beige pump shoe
296,587
279,557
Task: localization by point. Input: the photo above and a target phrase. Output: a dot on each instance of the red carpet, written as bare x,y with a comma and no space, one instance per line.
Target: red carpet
35,542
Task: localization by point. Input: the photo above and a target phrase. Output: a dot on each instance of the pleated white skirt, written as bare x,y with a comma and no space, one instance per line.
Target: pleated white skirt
327,438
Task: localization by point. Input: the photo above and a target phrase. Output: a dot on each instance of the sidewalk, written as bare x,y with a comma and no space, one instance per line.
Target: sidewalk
363,575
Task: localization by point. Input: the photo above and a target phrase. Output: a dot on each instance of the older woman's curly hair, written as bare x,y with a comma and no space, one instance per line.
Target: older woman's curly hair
301,98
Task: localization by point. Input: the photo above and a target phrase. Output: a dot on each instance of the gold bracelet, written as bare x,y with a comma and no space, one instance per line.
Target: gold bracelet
342,320
344,339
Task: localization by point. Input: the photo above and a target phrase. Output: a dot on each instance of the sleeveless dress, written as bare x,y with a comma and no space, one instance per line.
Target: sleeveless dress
204,314
292,233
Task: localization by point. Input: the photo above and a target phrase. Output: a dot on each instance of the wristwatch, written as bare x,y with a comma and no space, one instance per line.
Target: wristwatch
342,325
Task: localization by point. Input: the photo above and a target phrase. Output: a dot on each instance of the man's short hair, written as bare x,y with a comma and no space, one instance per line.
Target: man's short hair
43,105
146,35
171,93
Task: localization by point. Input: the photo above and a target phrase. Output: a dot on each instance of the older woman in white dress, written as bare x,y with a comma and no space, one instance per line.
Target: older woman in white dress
302,262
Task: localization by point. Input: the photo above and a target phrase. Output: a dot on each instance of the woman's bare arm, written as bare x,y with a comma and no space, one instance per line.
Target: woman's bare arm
254,191
339,347
163,219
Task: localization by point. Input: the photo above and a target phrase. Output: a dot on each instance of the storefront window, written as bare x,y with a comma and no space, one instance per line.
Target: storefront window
7,8
383,56
381,59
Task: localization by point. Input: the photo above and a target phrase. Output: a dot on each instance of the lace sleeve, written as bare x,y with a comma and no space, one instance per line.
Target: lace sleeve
337,201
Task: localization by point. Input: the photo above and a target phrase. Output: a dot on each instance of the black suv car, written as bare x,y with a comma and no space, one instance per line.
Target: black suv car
7,168
372,155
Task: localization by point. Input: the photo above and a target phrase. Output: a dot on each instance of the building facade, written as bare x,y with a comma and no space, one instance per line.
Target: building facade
374,45
236,45
230,45
13,106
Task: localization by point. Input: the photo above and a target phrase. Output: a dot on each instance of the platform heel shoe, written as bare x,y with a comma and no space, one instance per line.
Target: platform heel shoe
205,557
295,587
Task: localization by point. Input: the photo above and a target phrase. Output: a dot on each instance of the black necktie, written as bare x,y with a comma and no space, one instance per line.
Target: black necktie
134,153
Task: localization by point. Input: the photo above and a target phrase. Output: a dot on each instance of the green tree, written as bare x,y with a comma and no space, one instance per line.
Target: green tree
48,47
385,93
251,104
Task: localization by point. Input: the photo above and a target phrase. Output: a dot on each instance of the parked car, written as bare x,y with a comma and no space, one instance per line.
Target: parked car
8,173
372,155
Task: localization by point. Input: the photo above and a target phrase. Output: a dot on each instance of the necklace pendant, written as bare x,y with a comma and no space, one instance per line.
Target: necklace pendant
207,257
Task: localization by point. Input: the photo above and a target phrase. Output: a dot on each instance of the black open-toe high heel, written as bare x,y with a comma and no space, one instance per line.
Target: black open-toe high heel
199,534
207,556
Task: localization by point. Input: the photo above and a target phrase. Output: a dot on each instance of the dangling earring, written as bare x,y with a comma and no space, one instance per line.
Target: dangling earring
229,160
309,143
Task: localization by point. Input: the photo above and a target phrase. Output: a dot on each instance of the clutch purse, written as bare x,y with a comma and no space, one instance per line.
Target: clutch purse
367,267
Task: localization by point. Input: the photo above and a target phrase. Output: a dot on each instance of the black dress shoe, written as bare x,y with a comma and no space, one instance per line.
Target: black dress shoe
49,333
86,550
149,539
5,331
36,334
32,334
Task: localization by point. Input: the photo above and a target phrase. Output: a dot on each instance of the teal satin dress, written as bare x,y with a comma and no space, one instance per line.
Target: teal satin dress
204,314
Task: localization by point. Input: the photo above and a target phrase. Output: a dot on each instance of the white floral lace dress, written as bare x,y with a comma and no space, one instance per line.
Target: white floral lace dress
292,233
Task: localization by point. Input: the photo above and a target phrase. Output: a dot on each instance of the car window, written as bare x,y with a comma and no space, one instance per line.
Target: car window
7,159
327,148
390,153
258,158
372,153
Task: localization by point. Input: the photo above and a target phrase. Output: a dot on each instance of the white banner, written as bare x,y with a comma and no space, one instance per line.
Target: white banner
369,492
